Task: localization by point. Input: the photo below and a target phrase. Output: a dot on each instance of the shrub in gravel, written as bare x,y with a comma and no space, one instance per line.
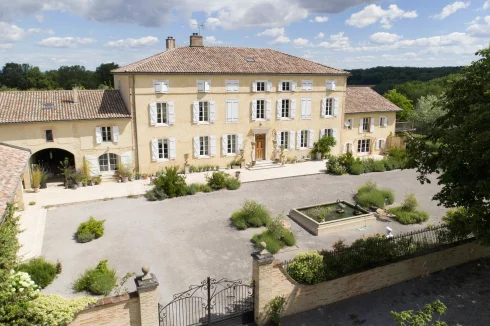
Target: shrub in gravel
369,195
217,180
85,237
93,227
407,212
275,237
41,271
233,184
98,280
252,214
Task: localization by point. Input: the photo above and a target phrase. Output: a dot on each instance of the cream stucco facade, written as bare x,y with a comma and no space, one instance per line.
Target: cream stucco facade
182,93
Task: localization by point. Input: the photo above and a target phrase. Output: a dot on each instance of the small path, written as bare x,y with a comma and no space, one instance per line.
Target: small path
186,239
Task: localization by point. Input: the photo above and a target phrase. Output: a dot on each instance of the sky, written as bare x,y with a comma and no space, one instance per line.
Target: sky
344,34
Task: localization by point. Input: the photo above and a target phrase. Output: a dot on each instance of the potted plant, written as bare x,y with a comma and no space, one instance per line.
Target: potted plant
90,182
44,178
77,179
36,175
323,146
84,181
217,167
97,180
66,171
124,172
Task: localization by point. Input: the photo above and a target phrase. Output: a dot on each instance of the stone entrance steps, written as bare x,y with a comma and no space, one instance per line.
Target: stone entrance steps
263,165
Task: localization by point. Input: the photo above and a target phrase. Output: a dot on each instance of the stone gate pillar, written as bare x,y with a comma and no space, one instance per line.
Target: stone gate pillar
261,272
147,286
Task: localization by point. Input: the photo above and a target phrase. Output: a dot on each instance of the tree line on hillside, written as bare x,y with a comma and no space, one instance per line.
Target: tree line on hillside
22,76
385,78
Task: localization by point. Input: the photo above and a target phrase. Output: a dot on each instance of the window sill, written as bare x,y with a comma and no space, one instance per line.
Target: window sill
230,154
328,116
305,118
161,160
232,121
203,123
204,156
204,91
260,119
49,141
161,92
161,125
285,119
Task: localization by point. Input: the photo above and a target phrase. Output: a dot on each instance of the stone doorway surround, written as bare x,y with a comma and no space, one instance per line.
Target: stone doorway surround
260,133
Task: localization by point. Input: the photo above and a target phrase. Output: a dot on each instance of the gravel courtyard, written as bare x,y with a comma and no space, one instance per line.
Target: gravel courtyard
186,239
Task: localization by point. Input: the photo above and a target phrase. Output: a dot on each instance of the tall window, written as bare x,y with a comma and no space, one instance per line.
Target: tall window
286,86
49,135
261,86
286,108
260,109
328,132
163,149
232,144
304,139
106,134
363,145
204,111
108,162
285,139
365,124
348,147
204,146
162,113
329,106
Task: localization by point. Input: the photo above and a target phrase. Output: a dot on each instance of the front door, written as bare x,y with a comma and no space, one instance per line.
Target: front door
260,147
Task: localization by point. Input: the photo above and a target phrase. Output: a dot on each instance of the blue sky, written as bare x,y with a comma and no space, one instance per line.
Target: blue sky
340,33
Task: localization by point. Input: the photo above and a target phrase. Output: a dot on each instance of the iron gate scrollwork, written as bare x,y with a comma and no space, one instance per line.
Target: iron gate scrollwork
213,302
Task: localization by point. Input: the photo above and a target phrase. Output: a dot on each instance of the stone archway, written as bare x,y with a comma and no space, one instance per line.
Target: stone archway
49,159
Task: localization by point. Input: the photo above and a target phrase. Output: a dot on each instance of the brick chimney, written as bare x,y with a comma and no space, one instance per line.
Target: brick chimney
74,94
196,40
170,43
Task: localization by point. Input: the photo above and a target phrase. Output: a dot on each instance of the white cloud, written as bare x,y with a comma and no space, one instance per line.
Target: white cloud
486,5
12,33
451,9
337,42
40,31
211,23
300,42
480,30
65,42
384,38
373,13
193,24
319,19
59,60
131,43
320,35
474,21
211,40
4,46
281,40
272,32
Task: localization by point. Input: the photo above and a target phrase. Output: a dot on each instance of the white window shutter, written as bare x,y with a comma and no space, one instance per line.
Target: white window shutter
239,142
360,124
268,109
153,113
385,121
311,134
171,112
371,129
291,139
200,85
334,133
335,106
157,86
377,144
224,144
98,135
269,86
278,139
115,134
254,110
254,86
308,109
164,86
93,163
212,111
229,111
330,85
293,86
212,145
235,111
154,149
322,133
298,139
293,108
303,108
207,86
196,146
279,86
383,144
324,107
236,85
279,108
171,147
344,148
195,112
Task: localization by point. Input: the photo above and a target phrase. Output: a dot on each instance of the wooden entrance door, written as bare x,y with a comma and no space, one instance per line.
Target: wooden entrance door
259,147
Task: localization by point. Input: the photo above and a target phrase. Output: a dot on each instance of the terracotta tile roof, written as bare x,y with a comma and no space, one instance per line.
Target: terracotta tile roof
28,106
227,60
12,164
365,99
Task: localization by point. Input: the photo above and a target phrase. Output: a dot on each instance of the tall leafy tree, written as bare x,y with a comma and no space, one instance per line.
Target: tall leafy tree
458,147
425,113
402,102
14,75
104,75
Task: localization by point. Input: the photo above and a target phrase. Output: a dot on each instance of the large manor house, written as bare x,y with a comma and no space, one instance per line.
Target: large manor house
203,105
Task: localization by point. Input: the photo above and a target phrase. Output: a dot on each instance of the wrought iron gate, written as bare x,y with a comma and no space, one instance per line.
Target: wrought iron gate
213,302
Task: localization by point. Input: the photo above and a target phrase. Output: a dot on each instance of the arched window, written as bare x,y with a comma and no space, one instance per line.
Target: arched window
108,162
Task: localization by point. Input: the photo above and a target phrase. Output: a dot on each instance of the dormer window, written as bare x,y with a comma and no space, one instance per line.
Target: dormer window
250,59
48,106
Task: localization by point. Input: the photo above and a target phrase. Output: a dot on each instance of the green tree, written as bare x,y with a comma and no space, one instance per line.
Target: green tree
414,90
36,79
14,75
103,73
458,147
422,317
402,102
426,112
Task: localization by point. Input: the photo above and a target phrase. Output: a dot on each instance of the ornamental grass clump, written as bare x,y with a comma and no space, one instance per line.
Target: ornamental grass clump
275,237
40,271
98,280
407,212
252,214
89,230
369,195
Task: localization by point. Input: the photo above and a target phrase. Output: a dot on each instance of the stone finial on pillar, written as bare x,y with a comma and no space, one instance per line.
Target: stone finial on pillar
261,271
147,285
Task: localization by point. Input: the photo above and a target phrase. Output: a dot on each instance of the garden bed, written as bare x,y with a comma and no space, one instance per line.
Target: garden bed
322,219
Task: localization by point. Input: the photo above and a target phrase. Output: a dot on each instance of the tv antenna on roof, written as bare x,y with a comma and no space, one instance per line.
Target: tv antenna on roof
198,27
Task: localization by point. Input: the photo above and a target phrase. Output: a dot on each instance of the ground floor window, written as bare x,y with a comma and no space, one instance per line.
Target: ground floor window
232,144
285,139
328,132
304,139
363,145
108,162
204,146
163,149
348,147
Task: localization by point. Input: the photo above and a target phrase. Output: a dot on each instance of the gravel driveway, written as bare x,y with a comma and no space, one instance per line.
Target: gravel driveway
186,239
